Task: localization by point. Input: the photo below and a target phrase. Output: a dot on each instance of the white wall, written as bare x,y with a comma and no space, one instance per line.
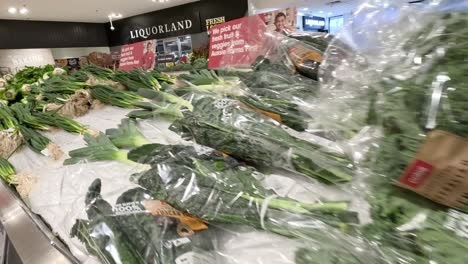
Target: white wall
66,53
16,59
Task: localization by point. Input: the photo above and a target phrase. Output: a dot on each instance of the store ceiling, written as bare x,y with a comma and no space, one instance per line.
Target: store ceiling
82,10
310,7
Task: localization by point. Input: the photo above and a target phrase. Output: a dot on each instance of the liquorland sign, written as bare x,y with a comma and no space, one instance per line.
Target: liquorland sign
185,19
154,31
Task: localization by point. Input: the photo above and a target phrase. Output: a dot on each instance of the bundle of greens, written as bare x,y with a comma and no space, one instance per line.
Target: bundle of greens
58,89
127,135
264,99
10,138
407,226
98,72
23,114
246,135
57,120
406,109
99,148
136,233
162,78
25,77
7,171
112,96
404,222
136,79
39,143
218,189
160,104
8,122
422,87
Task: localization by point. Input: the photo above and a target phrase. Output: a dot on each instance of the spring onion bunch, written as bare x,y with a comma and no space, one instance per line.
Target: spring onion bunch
23,114
137,79
62,84
7,119
7,171
57,120
162,104
161,77
39,143
109,95
98,72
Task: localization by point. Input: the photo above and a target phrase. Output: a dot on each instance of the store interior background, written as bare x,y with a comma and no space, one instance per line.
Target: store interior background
334,13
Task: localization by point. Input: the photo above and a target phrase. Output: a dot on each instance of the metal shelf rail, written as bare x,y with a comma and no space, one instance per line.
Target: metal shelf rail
28,234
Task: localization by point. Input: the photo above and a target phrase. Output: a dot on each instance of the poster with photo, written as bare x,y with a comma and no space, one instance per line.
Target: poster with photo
138,55
282,21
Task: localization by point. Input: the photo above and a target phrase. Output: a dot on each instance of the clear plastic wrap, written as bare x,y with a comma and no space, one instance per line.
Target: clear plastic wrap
227,126
191,206
405,78
142,229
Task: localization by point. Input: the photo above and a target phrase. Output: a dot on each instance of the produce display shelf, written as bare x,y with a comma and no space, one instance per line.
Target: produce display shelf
31,238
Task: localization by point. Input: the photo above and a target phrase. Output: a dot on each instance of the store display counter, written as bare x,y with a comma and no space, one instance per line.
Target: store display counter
25,232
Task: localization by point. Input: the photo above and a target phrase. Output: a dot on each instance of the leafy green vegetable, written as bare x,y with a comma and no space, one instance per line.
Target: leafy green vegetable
136,235
98,72
246,135
136,79
218,189
161,77
112,246
152,110
406,225
127,135
7,119
7,171
67,124
23,114
115,97
164,97
34,140
278,106
98,148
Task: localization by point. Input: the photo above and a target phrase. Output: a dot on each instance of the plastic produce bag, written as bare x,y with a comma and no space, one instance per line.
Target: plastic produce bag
140,229
407,80
278,73
202,181
227,126
219,190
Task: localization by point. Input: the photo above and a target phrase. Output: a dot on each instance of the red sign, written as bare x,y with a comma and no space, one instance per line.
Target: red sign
237,42
138,55
416,174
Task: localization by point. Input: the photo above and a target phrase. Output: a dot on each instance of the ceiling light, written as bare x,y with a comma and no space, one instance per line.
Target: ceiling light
23,11
321,12
305,8
12,10
114,15
330,13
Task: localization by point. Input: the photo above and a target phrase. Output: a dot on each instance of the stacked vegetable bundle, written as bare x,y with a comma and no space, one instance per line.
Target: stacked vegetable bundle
413,85
204,184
